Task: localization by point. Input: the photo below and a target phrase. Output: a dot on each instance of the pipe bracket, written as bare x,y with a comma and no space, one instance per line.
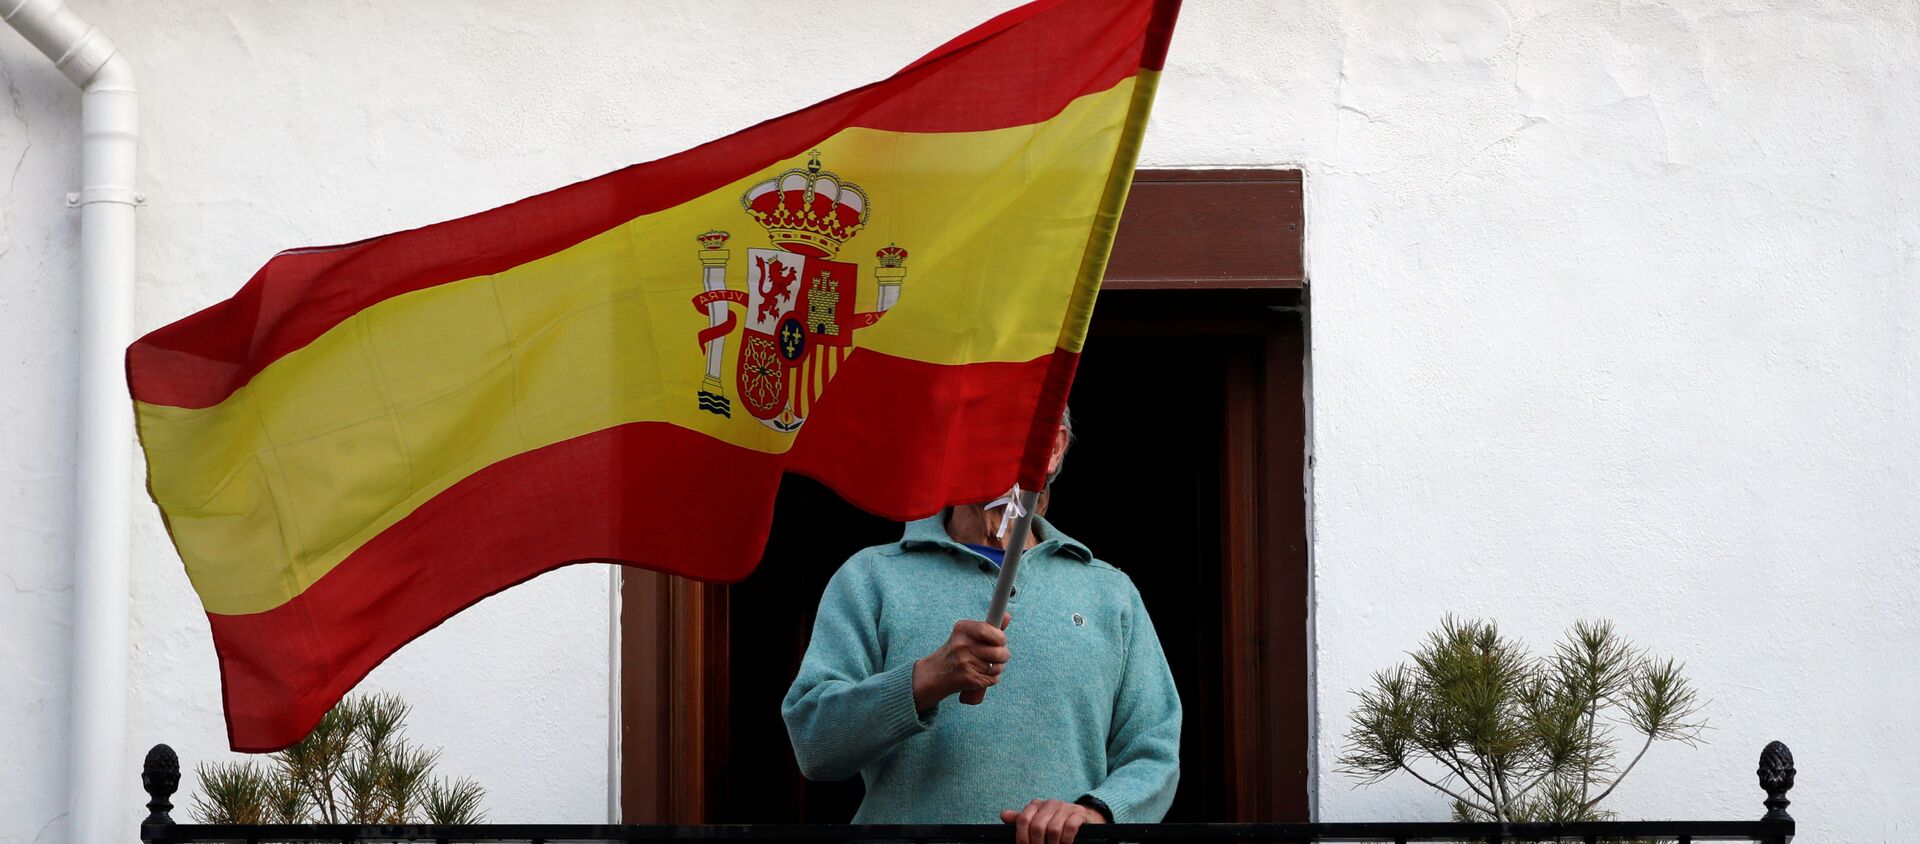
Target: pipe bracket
123,196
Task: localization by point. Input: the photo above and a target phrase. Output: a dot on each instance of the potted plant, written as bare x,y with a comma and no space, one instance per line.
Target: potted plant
1513,737
356,767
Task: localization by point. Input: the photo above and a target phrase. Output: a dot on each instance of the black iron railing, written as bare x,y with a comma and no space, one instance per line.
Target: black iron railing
161,777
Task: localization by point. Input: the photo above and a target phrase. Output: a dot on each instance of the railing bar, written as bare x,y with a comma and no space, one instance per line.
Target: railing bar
1399,833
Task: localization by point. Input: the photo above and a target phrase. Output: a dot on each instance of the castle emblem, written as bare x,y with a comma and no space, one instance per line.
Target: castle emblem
797,318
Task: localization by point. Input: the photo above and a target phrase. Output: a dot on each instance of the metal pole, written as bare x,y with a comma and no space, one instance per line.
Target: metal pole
1016,548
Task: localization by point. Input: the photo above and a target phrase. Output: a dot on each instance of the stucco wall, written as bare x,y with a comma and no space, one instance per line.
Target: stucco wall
1614,315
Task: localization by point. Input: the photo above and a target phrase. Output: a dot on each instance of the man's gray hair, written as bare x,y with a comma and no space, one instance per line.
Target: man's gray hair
1066,421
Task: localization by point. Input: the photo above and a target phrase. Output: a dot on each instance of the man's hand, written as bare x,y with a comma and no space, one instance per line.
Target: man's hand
971,660
1049,821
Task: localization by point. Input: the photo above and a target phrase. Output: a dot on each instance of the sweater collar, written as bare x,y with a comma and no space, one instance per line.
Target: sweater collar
931,532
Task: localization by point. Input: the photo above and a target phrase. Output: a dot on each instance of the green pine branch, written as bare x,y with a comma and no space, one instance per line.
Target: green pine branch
355,767
1508,736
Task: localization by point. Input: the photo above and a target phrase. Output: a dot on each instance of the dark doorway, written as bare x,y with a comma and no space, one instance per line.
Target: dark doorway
771,618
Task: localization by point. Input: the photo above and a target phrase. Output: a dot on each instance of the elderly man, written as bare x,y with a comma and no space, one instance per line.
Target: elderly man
1081,724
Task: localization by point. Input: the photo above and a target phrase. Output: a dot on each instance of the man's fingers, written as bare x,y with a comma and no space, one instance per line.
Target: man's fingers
981,632
972,674
1063,814
1048,823
1043,820
1071,828
979,653
991,656
974,667
1037,825
974,685
1023,828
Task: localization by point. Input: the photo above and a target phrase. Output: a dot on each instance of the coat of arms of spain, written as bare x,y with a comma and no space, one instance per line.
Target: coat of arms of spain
798,304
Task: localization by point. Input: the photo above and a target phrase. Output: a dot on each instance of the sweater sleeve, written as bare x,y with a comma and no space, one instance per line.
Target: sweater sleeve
1143,747
843,711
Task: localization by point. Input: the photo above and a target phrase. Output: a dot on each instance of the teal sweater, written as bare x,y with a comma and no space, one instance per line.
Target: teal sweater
1086,706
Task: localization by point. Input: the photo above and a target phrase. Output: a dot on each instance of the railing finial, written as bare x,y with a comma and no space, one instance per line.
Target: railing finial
1776,777
160,776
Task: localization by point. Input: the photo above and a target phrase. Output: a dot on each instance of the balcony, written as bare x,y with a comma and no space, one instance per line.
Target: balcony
161,777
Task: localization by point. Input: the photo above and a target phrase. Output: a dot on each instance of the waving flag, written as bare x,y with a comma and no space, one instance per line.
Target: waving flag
886,291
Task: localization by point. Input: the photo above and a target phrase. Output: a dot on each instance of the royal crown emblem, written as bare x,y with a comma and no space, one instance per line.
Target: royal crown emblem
798,305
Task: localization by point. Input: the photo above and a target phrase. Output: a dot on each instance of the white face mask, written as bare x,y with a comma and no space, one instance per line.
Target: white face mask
1011,501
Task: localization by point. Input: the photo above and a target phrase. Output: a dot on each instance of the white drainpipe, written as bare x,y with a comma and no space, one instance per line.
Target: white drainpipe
99,773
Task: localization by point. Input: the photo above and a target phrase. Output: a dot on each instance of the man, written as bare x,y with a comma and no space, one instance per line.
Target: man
1080,722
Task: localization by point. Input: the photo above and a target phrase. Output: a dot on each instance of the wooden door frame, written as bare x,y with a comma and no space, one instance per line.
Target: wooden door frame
673,724
1236,234
1265,585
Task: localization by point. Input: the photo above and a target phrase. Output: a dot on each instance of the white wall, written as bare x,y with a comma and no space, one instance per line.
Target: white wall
1613,305
38,359
1614,315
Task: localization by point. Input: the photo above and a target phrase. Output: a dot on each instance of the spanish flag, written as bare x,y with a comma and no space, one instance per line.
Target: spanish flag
886,292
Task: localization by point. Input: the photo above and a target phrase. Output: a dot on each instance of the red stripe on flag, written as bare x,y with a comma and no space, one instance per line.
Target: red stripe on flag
1020,68
1050,407
897,437
1160,34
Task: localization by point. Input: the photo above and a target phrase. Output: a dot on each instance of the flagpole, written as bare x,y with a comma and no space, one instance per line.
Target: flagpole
1016,548
1026,501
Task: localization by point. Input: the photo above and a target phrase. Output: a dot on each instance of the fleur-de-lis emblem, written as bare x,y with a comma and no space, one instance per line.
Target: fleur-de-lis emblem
791,338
